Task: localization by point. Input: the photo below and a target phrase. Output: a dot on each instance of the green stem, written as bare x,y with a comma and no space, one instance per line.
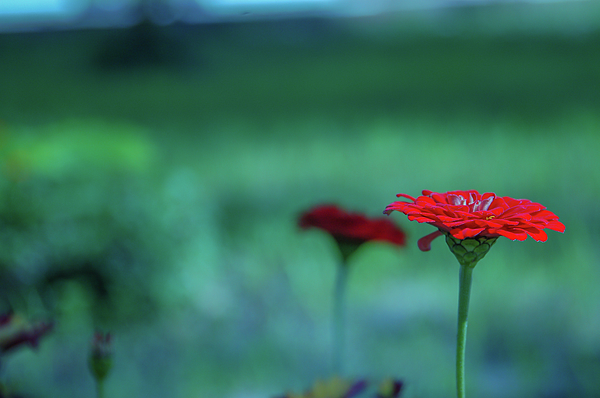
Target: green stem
466,273
100,388
339,318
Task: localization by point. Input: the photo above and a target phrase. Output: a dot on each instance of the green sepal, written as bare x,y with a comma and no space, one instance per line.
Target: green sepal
100,366
347,248
469,251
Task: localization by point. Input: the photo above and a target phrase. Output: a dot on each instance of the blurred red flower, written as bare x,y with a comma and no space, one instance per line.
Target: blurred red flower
467,214
352,228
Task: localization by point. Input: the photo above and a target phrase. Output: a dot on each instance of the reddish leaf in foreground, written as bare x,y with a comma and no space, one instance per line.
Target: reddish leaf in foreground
16,332
337,387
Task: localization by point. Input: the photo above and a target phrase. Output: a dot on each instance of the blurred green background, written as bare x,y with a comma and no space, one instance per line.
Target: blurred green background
152,178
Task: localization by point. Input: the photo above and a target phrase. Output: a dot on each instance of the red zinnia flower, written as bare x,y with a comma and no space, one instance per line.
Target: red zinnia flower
352,228
469,214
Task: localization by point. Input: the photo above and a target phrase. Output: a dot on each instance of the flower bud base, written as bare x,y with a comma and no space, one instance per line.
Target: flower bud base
469,251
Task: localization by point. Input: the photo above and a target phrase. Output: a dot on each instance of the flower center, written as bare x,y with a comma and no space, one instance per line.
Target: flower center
473,203
490,217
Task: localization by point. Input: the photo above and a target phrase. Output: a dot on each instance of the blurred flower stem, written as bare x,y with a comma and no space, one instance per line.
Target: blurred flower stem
466,276
100,388
339,318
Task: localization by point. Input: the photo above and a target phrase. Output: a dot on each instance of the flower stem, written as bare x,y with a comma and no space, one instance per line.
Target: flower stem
466,273
339,320
100,388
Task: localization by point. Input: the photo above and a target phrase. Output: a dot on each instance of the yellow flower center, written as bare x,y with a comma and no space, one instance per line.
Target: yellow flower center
490,217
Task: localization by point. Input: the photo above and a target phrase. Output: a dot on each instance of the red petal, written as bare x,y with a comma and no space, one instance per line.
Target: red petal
546,214
446,199
464,233
540,235
513,235
425,201
556,226
425,242
402,195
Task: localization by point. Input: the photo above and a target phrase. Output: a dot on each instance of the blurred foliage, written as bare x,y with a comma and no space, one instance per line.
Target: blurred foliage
161,203
75,208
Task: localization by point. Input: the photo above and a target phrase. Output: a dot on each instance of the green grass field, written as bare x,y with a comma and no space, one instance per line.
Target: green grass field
182,178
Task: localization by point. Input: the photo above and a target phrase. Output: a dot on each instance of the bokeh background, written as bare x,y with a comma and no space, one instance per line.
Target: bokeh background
155,157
